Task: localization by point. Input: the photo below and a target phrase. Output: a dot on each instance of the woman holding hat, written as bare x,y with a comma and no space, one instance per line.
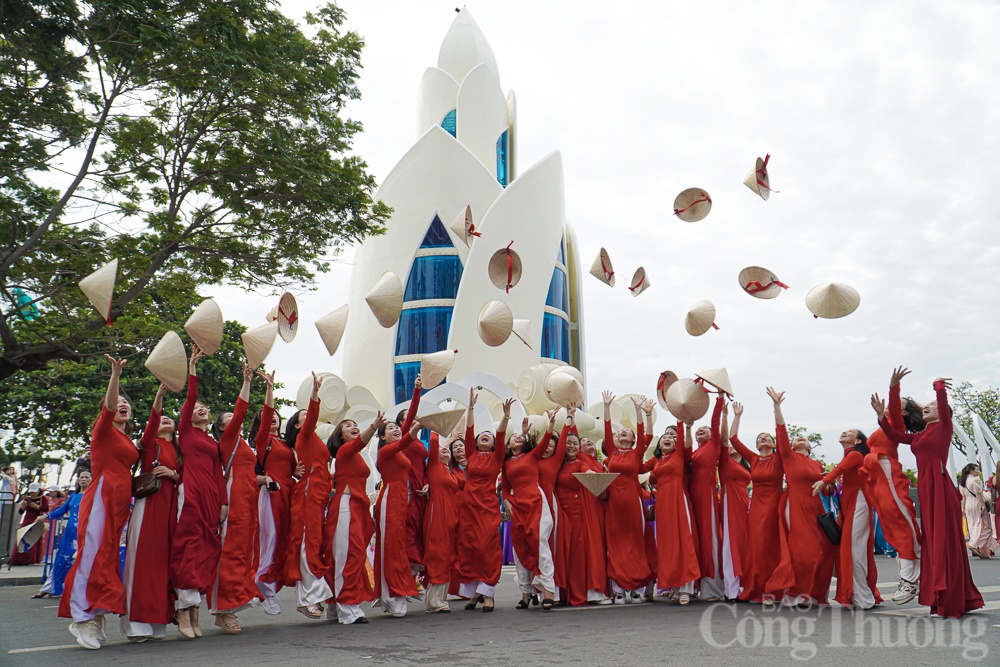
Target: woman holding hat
767,476
439,524
946,584
856,570
234,588
202,508
625,521
33,504
705,499
806,567
479,554
594,509
66,551
734,477
888,489
349,526
149,596
94,586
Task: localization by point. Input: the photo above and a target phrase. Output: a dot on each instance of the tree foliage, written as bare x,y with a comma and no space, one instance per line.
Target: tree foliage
966,400
196,141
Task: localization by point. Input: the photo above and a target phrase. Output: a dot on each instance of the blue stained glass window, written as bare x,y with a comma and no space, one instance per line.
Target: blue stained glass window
405,375
503,160
561,257
433,277
423,330
558,291
449,123
436,236
555,337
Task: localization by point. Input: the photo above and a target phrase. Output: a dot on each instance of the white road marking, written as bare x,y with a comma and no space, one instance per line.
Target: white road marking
925,611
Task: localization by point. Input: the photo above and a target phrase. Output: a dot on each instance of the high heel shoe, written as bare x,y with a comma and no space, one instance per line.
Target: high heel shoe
194,622
183,617
38,596
473,602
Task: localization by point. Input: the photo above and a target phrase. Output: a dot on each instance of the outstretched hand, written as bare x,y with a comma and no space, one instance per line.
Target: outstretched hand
777,396
878,405
268,378
737,408
897,375
506,407
608,397
116,364
947,382
378,422
247,372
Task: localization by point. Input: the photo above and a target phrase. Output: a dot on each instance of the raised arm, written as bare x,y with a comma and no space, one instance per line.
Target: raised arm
744,451
539,451
608,446
500,438
852,460
878,405
266,416
192,390
308,427
895,403
355,446
111,396
941,387
411,412
231,436
153,425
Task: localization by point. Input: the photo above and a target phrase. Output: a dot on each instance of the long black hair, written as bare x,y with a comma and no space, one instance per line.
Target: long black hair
255,426
292,427
862,446
530,442
913,417
336,439
966,471
398,421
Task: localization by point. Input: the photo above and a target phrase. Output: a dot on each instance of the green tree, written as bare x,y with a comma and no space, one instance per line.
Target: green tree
196,141
966,400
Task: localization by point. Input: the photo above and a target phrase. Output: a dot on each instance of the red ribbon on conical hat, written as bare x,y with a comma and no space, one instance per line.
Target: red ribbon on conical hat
110,304
292,319
510,267
705,198
715,326
701,383
604,267
754,286
638,284
763,172
471,230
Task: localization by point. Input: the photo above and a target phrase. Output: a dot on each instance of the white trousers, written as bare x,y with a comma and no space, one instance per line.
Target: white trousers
908,569
863,596
436,598
473,588
713,586
528,581
309,589
267,536
732,582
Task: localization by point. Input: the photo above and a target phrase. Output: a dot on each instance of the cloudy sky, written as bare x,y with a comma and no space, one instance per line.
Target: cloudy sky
884,130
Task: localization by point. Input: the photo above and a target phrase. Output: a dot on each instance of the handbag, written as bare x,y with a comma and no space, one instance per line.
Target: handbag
147,483
828,522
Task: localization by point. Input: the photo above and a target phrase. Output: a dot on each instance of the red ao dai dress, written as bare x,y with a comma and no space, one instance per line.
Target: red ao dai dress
439,538
762,552
273,508
625,522
733,480
479,554
705,499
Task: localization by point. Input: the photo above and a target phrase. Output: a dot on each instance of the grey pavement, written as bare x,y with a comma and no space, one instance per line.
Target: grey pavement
656,634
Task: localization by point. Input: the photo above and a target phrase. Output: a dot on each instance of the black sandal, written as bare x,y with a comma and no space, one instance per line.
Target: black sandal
487,610
521,604
534,599
548,603
473,602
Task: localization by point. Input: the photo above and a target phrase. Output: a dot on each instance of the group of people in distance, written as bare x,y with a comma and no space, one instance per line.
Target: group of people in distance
234,520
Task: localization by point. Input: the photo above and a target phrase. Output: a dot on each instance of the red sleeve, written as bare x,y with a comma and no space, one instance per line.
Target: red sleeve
352,448
308,427
609,439
499,446
852,460
539,451
744,450
188,410
895,435
556,460
647,466
394,448
435,450
640,436
470,437
896,408
682,443
715,440
781,439
231,436
149,434
505,488
264,432
105,422
411,412
944,411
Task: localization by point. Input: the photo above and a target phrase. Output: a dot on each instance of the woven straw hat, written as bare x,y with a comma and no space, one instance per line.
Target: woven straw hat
386,299
700,318
505,268
663,383
718,378
687,400
434,368
443,423
168,361
496,323
640,283
760,283
522,329
462,226
99,287
596,482
832,300
692,205
602,270
205,326
29,535
571,370
564,389
288,317
758,179
331,328
257,343
272,315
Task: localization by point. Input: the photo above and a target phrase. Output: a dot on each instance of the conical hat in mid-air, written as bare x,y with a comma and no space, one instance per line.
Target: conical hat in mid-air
331,328
168,361
443,423
571,370
505,268
257,343
832,300
522,329
386,299
596,482
205,326
272,315
687,400
663,383
758,179
601,269
760,283
434,367
288,317
692,205
99,287
700,318
463,226
496,323
28,535
640,283
564,389
718,378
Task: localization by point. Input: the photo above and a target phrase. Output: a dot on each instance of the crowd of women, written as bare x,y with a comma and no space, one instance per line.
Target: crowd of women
235,520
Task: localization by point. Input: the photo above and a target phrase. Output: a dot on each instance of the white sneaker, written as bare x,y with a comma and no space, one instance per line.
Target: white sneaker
907,591
86,634
604,601
99,629
619,598
271,605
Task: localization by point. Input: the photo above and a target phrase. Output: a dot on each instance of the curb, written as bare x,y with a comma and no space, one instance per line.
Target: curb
19,581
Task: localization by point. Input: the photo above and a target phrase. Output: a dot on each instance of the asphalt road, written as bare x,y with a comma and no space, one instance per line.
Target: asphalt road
646,634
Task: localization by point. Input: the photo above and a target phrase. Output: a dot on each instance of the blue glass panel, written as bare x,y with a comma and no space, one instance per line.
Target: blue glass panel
434,277
449,122
561,257
555,337
558,291
436,236
423,330
405,375
502,160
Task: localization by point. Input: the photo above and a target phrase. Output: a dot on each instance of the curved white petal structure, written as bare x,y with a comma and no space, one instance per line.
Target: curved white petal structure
482,114
464,47
436,97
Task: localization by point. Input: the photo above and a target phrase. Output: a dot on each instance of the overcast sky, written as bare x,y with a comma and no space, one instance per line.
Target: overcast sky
882,123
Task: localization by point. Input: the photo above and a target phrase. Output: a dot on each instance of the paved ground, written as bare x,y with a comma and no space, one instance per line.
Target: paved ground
654,634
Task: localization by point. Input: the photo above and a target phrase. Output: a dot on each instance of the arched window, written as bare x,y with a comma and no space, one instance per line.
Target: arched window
503,159
449,123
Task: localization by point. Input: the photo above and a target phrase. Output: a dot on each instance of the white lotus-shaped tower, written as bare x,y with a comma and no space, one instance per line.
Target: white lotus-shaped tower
465,156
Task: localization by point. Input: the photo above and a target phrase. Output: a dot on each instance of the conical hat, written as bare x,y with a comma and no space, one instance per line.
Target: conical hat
168,361
205,326
718,378
386,299
257,343
331,328
663,383
596,482
495,323
463,227
434,368
758,179
602,270
28,535
700,318
640,283
272,315
761,283
570,370
832,300
687,400
288,317
443,423
505,268
692,205
564,389
522,329
99,287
